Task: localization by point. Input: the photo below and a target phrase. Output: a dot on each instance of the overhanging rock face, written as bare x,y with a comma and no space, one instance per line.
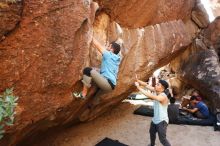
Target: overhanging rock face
144,51
44,57
136,13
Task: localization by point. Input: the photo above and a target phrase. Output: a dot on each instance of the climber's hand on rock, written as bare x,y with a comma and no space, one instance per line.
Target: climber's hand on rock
136,84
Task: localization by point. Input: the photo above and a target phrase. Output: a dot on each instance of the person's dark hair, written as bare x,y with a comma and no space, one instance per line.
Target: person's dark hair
193,98
116,47
164,84
195,91
167,92
172,100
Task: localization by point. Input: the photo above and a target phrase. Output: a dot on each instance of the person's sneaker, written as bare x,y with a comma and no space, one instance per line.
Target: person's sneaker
78,95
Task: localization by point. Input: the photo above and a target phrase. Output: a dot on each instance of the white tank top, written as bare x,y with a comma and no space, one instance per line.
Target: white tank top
160,111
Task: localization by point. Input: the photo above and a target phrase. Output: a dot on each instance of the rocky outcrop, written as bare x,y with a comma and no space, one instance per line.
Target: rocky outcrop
200,16
192,28
144,50
211,35
10,16
137,13
202,71
199,65
44,58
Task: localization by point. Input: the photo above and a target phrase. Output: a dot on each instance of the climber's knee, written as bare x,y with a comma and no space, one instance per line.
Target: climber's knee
87,71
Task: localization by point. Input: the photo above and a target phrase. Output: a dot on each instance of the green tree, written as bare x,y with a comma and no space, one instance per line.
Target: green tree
7,109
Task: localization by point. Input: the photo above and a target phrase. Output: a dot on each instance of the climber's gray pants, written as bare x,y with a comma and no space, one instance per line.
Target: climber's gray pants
100,81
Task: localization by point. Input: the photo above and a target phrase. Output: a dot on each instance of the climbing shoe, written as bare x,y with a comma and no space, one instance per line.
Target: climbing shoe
78,95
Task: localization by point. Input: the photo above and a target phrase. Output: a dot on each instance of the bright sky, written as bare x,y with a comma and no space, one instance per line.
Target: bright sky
207,6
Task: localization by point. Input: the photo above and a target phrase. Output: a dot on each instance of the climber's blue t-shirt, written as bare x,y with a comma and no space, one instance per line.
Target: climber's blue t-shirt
202,108
110,66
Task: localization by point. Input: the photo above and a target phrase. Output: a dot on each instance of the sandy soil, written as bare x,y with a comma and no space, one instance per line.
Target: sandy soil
121,124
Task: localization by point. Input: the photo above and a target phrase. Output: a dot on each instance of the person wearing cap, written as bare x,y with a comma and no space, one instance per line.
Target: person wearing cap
200,109
160,120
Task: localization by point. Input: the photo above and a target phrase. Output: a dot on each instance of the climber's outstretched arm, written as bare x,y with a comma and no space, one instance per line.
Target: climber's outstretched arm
146,85
97,45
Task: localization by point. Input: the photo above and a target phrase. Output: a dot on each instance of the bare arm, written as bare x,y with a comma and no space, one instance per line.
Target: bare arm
161,99
97,45
191,110
146,85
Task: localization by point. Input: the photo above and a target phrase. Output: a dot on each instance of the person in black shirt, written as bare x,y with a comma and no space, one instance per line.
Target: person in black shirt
173,111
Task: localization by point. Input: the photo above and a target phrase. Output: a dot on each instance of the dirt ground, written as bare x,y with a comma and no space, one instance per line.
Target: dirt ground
121,124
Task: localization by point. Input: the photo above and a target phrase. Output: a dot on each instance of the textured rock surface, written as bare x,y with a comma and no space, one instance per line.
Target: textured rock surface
137,13
44,57
199,66
178,87
202,71
197,45
43,61
212,35
10,15
200,16
191,28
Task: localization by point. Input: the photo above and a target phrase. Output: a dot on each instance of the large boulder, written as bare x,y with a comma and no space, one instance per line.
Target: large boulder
44,57
136,13
202,71
199,64
144,50
200,16
211,35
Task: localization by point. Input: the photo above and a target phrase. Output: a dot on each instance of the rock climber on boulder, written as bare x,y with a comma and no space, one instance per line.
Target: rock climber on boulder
106,79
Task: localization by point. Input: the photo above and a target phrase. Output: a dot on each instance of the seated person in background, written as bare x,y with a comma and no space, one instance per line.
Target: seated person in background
196,93
200,109
186,98
173,111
